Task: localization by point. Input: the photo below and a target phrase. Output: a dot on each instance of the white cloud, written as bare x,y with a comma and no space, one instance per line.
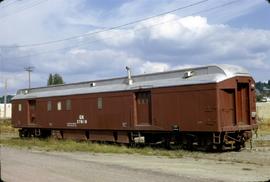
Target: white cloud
150,67
174,27
185,66
14,80
117,37
193,41
77,51
164,43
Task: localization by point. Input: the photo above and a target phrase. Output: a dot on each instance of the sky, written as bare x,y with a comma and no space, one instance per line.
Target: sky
75,39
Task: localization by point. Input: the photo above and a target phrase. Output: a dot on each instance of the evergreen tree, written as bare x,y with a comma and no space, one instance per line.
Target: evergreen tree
50,80
55,79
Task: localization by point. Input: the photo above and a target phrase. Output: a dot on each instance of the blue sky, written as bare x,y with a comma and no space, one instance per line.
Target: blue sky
238,33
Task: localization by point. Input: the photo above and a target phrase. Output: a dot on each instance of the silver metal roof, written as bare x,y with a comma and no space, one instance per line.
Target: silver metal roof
189,76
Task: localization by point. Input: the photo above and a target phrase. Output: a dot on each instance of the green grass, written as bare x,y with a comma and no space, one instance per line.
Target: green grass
5,127
264,126
9,137
72,146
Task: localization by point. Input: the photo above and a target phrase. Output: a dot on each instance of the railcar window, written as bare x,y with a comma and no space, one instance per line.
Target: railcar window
19,107
59,106
99,103
49,105
142,98
68,104
32,104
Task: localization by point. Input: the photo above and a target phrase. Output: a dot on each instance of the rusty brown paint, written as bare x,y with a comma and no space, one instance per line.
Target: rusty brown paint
203,107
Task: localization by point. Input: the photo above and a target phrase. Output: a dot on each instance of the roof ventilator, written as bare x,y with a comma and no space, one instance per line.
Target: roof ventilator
93,84
188,74
130,81
25,92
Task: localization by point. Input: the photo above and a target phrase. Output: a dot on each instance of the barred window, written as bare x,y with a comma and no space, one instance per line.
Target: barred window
143,97
99,103
49,106
68,104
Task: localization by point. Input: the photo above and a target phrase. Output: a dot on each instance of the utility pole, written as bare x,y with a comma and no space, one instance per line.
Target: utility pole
29,69
5,100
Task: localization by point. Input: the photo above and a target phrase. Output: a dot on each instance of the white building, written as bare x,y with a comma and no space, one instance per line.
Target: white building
265,99
8,111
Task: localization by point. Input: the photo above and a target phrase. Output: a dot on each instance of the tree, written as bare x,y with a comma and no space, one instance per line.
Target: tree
55,79
259,98
50,80
259,86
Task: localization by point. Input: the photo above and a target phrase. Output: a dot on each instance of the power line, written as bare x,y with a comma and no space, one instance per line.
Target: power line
29,69
26,8
8,4
157,24
111,28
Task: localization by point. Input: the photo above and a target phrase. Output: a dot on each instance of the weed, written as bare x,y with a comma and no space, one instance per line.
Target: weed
72,146
5,127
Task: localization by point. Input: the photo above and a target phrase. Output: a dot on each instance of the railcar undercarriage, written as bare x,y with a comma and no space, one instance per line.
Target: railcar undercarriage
202,141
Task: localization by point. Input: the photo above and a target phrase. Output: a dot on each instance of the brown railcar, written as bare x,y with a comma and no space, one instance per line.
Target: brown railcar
211,106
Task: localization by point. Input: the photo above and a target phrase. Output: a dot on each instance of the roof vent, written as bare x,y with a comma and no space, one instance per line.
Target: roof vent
25,92
93,84
130,81
188,74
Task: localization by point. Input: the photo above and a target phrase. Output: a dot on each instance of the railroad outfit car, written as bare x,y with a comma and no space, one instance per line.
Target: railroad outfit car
204,107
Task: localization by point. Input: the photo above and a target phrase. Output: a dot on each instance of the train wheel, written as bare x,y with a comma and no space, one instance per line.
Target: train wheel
21,133
24,133
237,147
172,146
132,144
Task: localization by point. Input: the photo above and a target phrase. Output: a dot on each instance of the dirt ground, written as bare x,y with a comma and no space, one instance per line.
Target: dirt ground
263,109
246,165
31,165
